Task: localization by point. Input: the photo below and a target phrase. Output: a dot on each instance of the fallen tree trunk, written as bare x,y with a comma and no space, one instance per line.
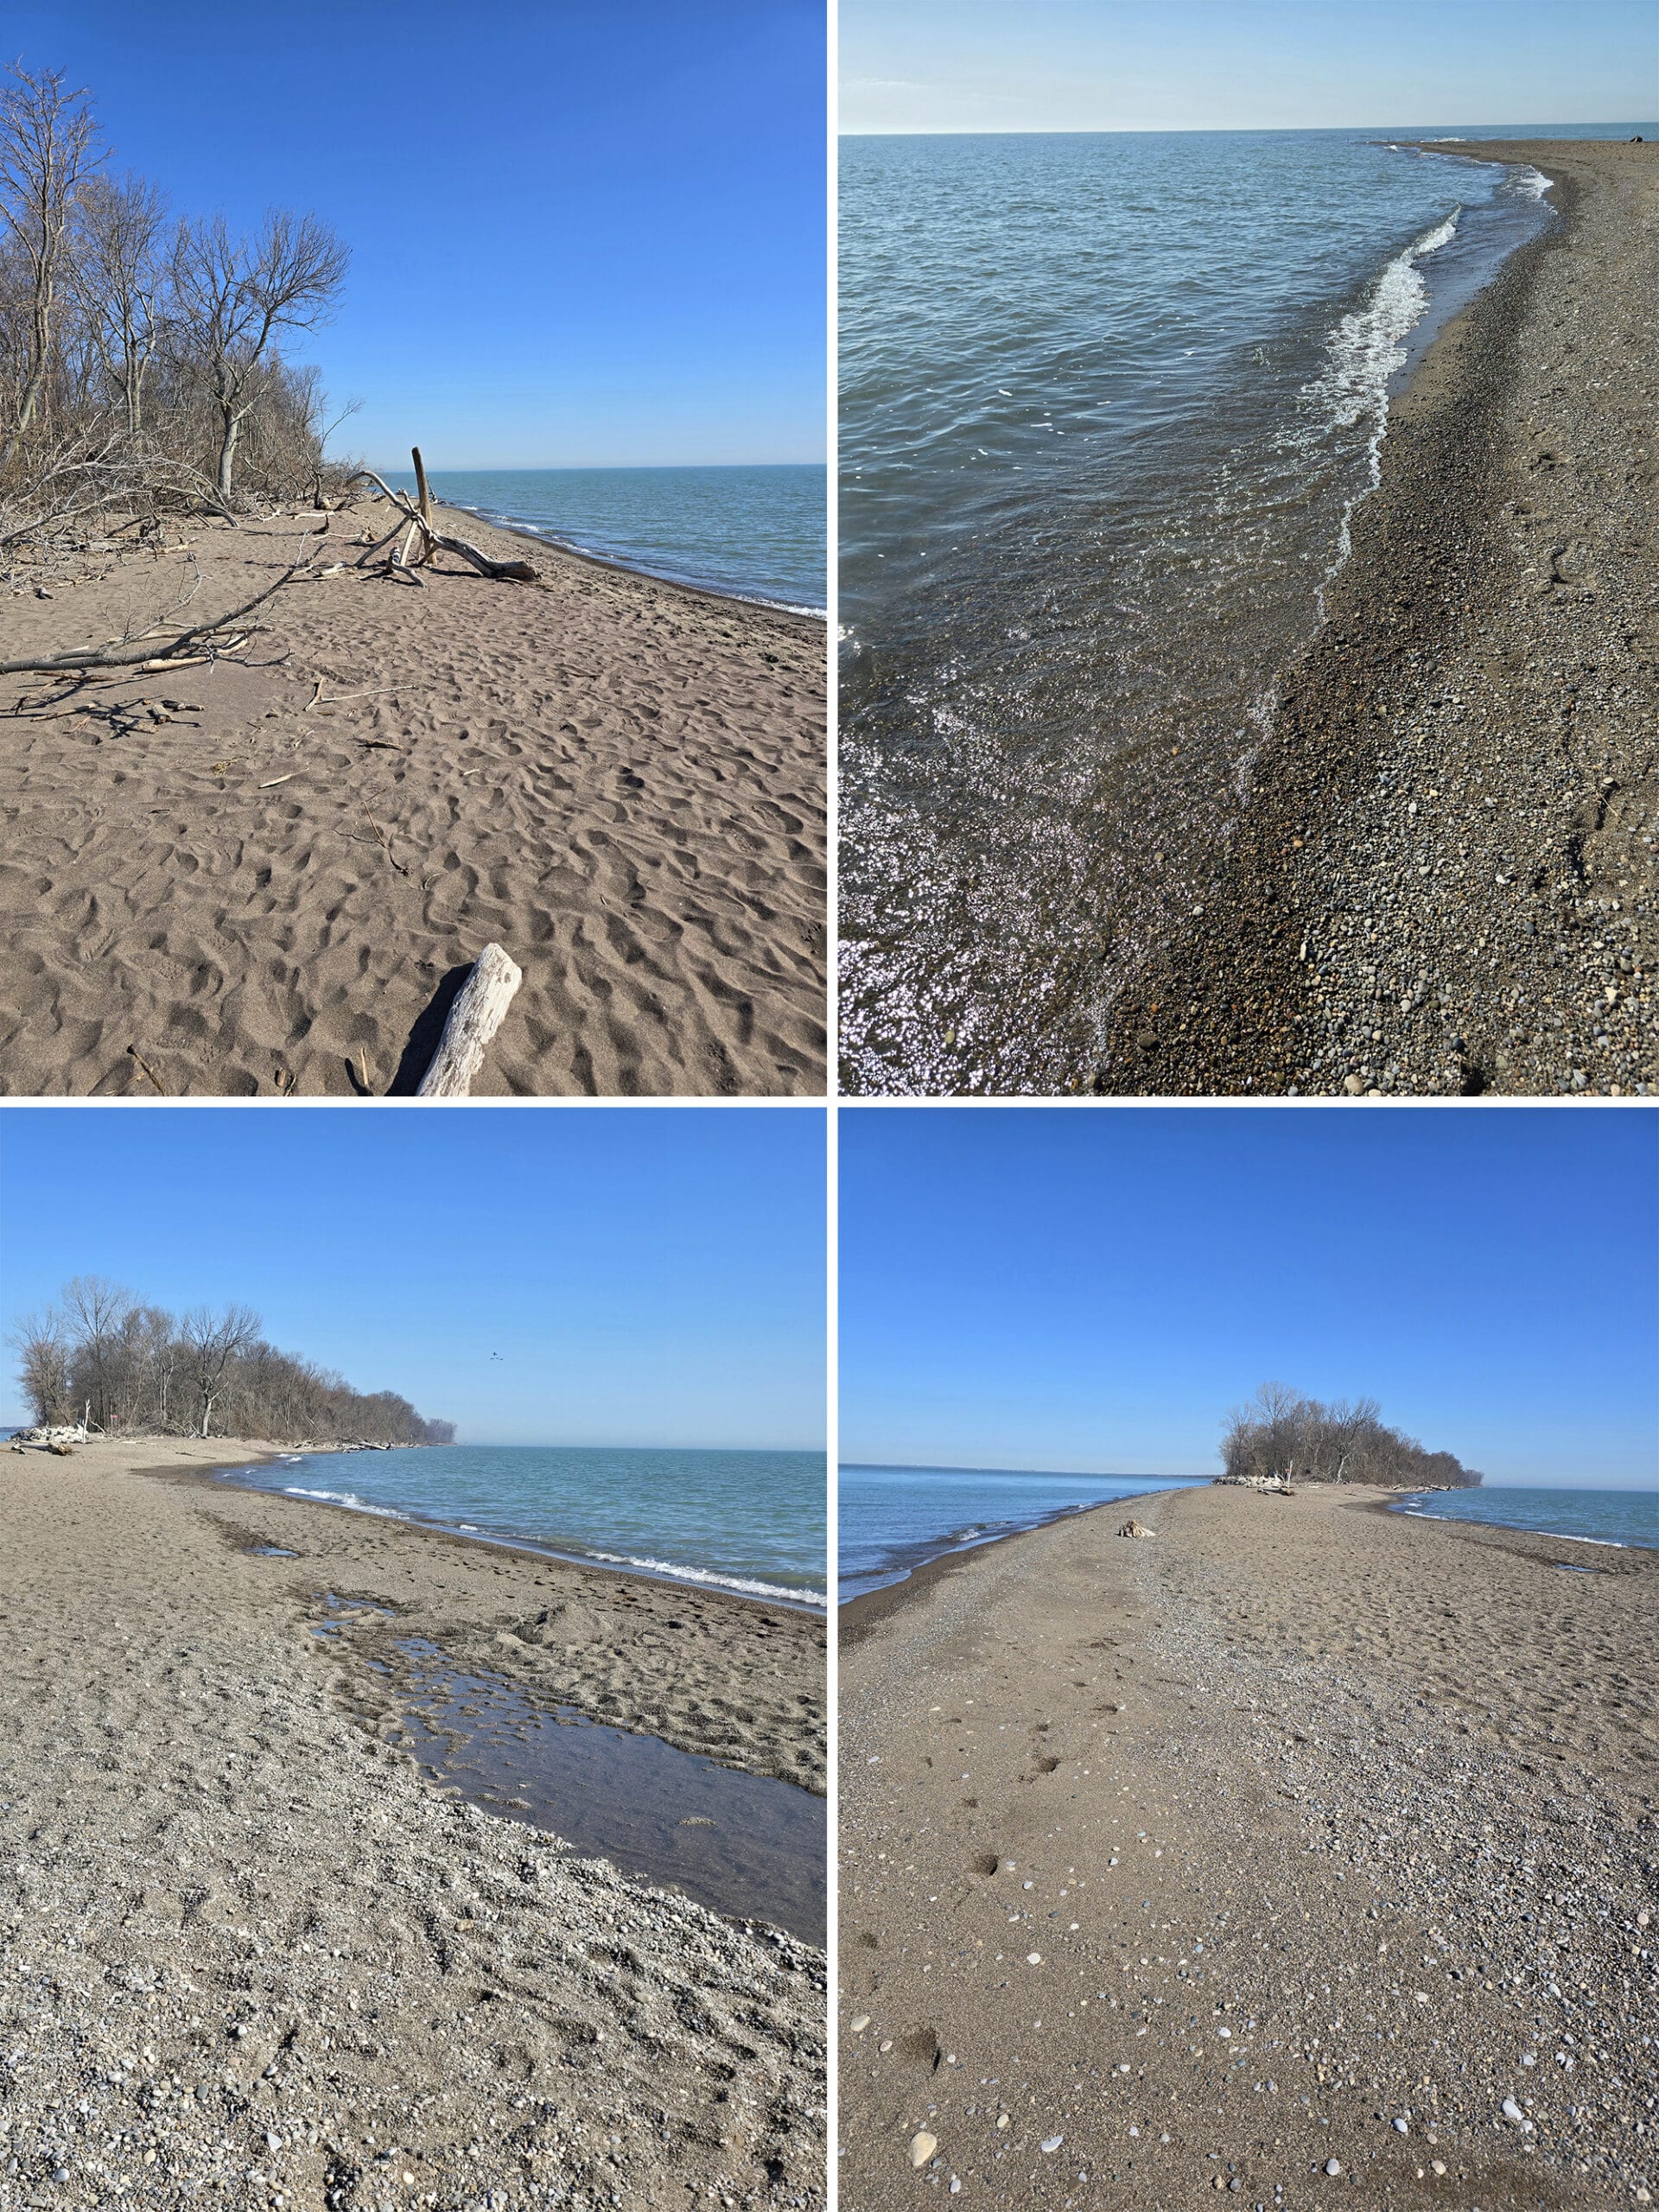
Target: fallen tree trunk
72,664
477,1014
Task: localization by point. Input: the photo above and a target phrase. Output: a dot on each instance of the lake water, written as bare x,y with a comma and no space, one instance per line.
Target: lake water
892,1520
753,1522
1602,1517
751,533
1107,404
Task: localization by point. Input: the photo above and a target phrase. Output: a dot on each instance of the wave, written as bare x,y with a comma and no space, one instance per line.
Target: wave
1364,353
1533,182
1520,1529
342,1497
748,1586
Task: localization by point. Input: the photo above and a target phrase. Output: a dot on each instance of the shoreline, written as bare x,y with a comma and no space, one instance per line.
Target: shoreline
721,595
685,1578
1439,885
215,1476
1174,1772
252,1946
939,1560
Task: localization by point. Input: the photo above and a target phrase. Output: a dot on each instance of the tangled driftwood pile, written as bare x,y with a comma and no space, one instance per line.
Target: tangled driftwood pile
418,538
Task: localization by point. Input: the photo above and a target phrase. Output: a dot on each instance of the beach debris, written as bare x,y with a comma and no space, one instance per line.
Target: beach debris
418,537
62,1450
1136,1528
384,846
144,1069
480,1009
275,780
922,2147
141,652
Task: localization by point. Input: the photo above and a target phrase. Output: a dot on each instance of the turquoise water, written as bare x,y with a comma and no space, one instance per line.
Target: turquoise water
892,1520
1602,1516
1107,404
753,1522
751,533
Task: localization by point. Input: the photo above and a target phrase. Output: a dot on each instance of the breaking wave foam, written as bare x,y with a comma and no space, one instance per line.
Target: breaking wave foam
1366,351
749,1587
342,1497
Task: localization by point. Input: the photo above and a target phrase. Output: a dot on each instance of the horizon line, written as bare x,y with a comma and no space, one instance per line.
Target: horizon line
488,467
1197,130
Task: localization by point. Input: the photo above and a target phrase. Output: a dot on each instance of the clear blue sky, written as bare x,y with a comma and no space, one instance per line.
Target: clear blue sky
1091,1289
649,1275
582,234
1242,65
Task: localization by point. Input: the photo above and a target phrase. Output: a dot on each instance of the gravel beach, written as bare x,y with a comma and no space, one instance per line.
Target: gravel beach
1301,1854
250,1955
272,885
1445,879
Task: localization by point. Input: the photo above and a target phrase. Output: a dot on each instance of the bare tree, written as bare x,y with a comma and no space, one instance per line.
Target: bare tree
213,1341
98,1313
231,297
143,1371
43,1352
1281,1433
118,273
49,149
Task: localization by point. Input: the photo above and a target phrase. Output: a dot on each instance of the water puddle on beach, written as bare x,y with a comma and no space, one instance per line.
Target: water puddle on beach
746,1846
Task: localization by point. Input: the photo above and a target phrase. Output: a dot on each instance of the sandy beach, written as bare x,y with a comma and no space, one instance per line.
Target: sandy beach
1301,1855
277,885
253,1953
1443,881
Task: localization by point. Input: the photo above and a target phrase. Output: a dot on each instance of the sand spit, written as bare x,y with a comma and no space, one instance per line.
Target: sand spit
1304,1856
621,781
250,1954
1447,878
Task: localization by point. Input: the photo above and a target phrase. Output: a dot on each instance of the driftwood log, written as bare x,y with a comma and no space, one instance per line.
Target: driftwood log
478,1011
419,539
143,652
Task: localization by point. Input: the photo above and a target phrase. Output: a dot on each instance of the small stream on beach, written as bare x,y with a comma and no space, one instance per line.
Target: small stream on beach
746,1846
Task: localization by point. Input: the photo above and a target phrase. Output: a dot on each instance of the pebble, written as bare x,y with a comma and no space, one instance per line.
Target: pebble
1333,2165
859,2022
1512,2111
922,2147
1052,2143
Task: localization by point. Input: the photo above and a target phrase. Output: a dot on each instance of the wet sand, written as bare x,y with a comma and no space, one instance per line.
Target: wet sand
1445,880
621,781
251,1950
1303,1833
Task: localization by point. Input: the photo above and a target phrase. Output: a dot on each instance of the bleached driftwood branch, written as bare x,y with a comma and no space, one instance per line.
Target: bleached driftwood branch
478,1011
145,649
421,540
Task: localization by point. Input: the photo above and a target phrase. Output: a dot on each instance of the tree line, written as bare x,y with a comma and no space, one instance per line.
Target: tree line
1280,1433
141,352
128,1367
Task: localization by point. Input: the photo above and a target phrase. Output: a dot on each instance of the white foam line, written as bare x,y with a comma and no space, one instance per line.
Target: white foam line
1522,1529
749,1588
1364,353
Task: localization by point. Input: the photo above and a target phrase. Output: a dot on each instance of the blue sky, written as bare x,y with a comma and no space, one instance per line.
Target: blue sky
1091,1290
648,1275
1253,65
581,235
